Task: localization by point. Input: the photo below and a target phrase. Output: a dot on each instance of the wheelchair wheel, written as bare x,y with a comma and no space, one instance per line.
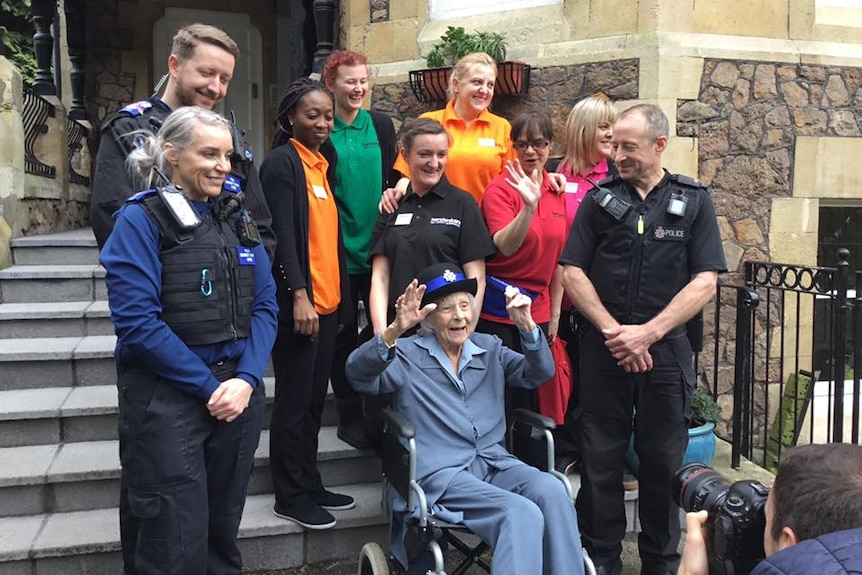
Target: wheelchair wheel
372,560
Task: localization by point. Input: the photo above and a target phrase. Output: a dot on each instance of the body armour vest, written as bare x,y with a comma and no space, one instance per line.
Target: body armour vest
207,280
642,259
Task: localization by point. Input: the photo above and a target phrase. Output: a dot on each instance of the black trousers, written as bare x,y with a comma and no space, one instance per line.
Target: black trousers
301,367
347,401
567,436
660,402
184,478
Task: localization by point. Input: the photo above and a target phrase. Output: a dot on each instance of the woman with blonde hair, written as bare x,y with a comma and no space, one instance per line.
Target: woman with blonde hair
480,140
586,157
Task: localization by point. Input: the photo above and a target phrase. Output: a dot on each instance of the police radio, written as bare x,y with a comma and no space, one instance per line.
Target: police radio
609,202
177,203
230,203
241,150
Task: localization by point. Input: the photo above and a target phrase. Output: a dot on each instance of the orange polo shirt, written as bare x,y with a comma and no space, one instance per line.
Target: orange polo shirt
477,153
322,231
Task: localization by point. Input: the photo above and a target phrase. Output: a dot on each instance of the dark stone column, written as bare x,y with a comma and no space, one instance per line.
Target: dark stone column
43,12
76,35
324,25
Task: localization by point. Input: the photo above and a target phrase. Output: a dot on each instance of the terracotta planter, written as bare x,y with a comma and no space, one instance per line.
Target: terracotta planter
513,79
429,85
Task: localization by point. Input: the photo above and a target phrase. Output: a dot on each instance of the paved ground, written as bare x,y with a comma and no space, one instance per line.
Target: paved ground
631,564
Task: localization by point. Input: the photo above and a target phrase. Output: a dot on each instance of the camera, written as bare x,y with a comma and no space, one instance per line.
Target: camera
734,529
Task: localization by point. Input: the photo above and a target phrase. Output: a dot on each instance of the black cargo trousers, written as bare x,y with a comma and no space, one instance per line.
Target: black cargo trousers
184,477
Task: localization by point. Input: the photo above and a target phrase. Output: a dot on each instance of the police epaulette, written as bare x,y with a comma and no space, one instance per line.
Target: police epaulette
608,180
686,181
137,108
140,196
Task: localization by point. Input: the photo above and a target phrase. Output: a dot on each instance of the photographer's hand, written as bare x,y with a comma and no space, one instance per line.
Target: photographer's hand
694,558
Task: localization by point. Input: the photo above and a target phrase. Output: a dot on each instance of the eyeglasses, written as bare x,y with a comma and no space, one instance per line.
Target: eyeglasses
537,145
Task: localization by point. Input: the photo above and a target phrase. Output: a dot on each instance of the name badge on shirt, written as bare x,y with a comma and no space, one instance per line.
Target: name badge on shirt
571,187
487,143
245,256
403,219
319,192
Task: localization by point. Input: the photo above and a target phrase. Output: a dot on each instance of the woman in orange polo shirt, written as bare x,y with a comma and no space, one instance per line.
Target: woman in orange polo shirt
311,278
480,141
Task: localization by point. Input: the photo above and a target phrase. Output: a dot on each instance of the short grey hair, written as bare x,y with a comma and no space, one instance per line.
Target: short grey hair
656,121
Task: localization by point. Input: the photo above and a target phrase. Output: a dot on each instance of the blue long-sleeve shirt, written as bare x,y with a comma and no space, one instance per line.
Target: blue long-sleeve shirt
134,280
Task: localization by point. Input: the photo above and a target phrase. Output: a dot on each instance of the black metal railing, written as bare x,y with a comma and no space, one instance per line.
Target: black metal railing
76,133
36,111
795,353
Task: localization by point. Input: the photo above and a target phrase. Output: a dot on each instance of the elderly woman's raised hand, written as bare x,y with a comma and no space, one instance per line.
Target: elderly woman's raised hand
408,312
518,305
525,184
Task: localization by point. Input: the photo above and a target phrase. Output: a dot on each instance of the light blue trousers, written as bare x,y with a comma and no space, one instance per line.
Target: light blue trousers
525,516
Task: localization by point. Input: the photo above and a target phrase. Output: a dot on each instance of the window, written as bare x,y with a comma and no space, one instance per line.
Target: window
456,8
838,12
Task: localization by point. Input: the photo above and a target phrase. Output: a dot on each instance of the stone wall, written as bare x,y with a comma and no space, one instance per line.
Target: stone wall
747,119
554,90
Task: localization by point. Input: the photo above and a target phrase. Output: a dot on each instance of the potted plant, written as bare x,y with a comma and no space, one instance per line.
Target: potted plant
701,437
432,82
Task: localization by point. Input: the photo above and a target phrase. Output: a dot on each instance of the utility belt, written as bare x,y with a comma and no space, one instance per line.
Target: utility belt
222,370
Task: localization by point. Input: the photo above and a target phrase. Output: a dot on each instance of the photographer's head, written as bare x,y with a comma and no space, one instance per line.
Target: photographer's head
817,490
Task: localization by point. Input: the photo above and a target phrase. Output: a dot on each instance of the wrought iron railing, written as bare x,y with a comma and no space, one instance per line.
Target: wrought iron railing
793,334
36,111
75,133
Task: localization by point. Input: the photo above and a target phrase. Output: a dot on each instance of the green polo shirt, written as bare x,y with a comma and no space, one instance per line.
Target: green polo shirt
359,184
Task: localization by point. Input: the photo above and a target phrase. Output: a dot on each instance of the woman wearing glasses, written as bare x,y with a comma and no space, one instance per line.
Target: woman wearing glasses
527,221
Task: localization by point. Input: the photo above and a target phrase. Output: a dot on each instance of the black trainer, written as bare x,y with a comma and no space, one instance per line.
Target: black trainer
333,501
306,513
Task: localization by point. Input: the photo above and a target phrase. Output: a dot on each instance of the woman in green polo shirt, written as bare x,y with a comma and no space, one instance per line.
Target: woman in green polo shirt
365,143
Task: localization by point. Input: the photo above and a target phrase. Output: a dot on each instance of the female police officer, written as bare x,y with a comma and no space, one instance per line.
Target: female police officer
193,305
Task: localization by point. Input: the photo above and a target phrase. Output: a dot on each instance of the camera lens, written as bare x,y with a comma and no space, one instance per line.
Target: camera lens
698,487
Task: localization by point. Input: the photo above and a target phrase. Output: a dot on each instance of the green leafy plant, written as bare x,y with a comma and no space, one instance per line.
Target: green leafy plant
457,43
705,408
17,37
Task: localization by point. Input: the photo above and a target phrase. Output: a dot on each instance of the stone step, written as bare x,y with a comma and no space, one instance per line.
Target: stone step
55,319
80,476
30,363
81,239
89,541
47,283
89,413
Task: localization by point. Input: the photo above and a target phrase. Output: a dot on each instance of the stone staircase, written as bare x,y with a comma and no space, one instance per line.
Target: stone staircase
59,464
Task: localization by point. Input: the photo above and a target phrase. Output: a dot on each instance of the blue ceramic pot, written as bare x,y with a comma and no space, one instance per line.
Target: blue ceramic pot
701,447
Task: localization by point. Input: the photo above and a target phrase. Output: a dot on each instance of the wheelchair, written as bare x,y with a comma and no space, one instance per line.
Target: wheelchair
529,437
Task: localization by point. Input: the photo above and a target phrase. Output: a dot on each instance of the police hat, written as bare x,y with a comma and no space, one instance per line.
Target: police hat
444,279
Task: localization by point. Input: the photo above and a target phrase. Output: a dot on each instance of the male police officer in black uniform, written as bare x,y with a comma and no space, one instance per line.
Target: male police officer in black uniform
200,68
642,259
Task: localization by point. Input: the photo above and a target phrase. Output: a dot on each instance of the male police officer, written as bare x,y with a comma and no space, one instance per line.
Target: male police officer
813,516
642,259
200,68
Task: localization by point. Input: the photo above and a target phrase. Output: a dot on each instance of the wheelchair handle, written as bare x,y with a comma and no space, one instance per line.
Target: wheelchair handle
399,424
533,419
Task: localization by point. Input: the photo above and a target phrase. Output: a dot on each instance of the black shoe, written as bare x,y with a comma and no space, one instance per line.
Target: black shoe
616,569
568,465
353,435
333,501
306,513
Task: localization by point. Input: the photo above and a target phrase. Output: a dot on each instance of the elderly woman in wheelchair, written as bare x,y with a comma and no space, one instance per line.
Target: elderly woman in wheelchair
449,383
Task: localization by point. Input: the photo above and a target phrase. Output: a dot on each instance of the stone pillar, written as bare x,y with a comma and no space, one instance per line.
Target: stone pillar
11,157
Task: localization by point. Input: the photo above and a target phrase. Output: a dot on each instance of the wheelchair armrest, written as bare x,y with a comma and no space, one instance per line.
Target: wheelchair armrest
399,424
533,419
